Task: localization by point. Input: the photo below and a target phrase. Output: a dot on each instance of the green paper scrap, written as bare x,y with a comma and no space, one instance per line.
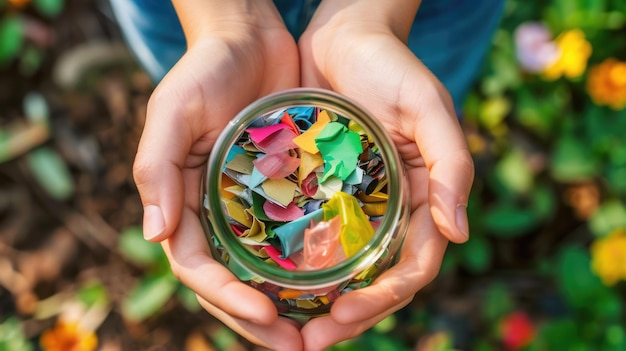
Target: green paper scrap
257,207
340,149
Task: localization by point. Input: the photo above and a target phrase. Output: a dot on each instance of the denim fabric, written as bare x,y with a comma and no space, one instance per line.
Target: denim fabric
450,36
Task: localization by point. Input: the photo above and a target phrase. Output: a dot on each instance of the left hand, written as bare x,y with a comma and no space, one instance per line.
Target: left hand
360,53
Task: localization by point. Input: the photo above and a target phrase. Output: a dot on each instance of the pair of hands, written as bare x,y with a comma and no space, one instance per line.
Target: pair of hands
245,55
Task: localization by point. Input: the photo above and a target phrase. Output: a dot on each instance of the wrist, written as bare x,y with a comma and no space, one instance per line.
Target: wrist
394,16
201,18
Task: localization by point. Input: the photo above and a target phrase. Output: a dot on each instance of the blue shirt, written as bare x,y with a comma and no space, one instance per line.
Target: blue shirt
451,37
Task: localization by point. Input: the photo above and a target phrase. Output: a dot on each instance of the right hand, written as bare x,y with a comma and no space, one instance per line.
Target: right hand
230,62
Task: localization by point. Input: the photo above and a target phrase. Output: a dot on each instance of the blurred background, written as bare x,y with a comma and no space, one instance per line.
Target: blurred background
544,268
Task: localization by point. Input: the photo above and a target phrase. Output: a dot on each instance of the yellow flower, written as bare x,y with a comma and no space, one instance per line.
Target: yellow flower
68,337
575,51
606,84
608,257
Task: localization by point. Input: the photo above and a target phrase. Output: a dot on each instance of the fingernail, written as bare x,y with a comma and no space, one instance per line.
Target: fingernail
461,220
153,223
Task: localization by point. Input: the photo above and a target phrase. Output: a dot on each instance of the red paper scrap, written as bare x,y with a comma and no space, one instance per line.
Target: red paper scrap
275,256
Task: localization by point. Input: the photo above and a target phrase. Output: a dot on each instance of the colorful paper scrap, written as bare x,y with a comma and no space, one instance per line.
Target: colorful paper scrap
303,189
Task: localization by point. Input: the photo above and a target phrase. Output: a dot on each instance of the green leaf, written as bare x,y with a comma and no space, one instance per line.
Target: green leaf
477,254
497,302
504,73
346,345
51,172
223,338
188,299
607,305
386,325
12,336
450,260
603,128
375,342
471,108
610,216
513,172
31,60
494,110
571,161
49,8
11,38
543,201
509,220
509,217
138,250
579,285
538,109
482,345
616,176
582,289
616,337
560,334
93,293
148,297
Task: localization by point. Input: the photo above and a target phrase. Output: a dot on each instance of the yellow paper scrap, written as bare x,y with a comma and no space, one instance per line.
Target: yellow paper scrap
330,187
306,140
356,230
250,147
375,209
241,163
373,197
234,190
381,184
367,274
306,304
237,212
280,190
226,183
308,163
254,247
323,299
256,231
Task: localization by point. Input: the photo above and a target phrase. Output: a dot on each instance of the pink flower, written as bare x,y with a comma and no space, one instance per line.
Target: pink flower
534,47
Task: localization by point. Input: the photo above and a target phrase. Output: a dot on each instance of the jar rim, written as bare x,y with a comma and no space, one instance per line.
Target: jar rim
218,222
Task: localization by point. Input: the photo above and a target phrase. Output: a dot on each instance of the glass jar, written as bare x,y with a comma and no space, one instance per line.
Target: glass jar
303,293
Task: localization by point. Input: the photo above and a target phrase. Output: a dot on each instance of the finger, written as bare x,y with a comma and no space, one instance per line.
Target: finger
163,148
190,260
441,142
322,332
282,334
419,263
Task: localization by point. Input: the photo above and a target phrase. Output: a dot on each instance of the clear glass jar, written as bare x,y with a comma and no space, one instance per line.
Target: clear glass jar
302,294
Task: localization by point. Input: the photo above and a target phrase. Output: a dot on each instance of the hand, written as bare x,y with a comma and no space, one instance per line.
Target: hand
360,53
233,58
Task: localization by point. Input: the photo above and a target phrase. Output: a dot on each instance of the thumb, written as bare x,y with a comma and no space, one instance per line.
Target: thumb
445,152
157,171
